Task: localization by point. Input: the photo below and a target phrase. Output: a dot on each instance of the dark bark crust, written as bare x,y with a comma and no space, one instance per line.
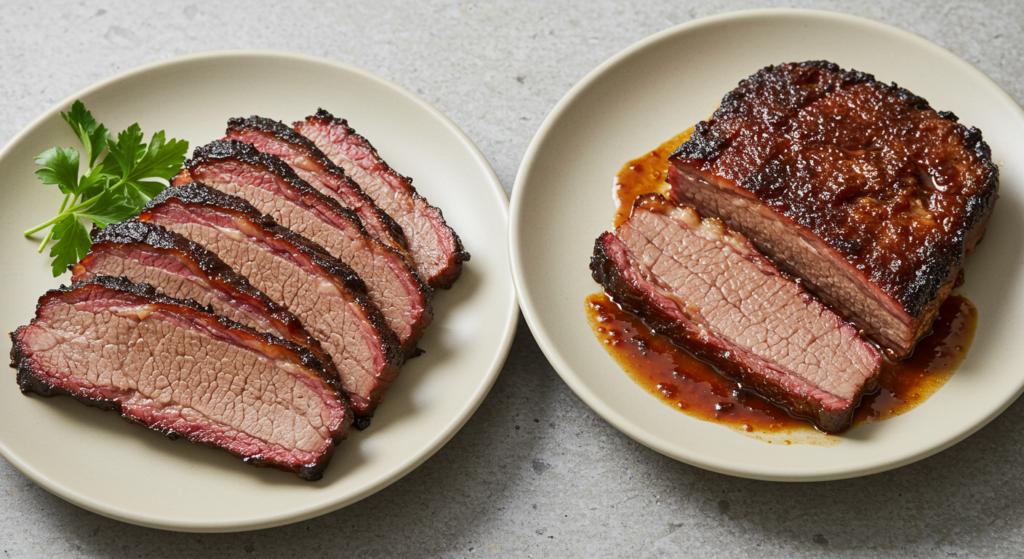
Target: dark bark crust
226,150
460,255
308,149
786,92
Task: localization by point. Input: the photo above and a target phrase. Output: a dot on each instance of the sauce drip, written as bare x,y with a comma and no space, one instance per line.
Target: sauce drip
684,382
643,175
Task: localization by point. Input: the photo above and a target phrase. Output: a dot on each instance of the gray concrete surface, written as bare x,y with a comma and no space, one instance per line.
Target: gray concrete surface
534,472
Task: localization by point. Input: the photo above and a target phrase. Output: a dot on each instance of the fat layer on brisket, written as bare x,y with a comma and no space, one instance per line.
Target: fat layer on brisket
709,290
435,247
178,369
858,187
266,182
296,273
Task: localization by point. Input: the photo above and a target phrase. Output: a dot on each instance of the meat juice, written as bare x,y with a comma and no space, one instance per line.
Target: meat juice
694,387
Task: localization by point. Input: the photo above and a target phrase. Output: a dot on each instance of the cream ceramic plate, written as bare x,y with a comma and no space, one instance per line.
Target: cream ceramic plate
662,85
99,461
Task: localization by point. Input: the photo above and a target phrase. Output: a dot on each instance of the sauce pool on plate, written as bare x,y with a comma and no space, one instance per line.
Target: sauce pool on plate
695,388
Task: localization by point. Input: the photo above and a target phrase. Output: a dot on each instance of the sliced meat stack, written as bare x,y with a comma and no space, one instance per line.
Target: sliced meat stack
179,369
247,308
266,182
709,290
857,187
435,248
326,295
179,268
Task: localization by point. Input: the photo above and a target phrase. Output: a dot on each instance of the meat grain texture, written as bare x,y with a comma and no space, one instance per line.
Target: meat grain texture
181,370
708,289
177,267
295,273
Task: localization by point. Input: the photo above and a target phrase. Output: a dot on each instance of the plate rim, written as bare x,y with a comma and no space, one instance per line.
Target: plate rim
532,315
508,327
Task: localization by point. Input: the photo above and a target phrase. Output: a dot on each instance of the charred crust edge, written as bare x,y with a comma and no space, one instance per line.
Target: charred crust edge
286,134
706,144
248,154
460,254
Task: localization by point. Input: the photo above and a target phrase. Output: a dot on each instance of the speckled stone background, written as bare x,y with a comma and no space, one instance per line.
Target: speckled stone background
534,472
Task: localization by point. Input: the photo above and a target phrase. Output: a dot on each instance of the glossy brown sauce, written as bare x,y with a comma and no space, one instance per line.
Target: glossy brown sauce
644,174
695,388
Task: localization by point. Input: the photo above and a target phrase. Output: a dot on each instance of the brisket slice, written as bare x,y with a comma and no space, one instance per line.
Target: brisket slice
435,248
858,187
707,289
183,371
177,267
313,166
266,182
297,274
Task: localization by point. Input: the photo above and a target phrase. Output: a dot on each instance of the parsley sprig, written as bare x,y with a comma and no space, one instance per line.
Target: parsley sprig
114,190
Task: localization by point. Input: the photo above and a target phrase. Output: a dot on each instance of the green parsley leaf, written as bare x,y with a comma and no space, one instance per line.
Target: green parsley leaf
112,206
138,165
163,159
72,244
92,184
92,136
114,190
125,153
60,168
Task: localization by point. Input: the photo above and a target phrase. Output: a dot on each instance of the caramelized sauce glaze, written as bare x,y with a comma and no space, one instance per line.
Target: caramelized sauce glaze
684,382
695,388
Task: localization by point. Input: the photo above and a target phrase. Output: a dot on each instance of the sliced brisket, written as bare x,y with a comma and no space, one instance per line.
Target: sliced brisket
296,273
178,369
858,187
707,289
314,167
179,268
435,248
266,182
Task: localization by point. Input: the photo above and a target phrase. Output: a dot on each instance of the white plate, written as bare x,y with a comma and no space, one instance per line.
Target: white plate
99,461
662,85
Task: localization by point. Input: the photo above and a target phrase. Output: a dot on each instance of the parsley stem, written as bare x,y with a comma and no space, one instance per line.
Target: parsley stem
50,234
42,226
63,214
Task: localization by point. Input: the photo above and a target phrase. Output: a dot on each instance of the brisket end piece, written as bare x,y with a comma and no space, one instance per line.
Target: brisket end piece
296,273
435,248
179,268
708,290
858,187
176,368
270,185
